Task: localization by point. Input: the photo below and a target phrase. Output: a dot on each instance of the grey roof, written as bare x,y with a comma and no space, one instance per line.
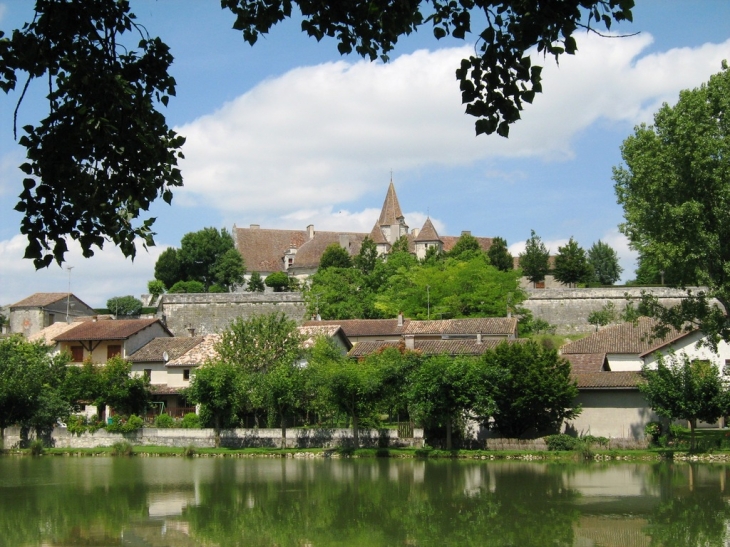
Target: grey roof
174,346
628,338
479,325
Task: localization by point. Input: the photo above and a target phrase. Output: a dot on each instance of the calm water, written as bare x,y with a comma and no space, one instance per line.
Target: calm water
60,501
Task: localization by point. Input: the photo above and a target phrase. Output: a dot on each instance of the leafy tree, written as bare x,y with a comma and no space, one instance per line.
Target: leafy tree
367,258
604,261
535,261
215,386
77,145
167,267
284,392
465,248
439,392
499,255
82,383
604,316
187,287
571,264
682,389
340,293
155,287
279,281
201,254
673,188
126,306
335,256
3,320
260,343
229,269
125,393
433,255
400,245
255,283
533,390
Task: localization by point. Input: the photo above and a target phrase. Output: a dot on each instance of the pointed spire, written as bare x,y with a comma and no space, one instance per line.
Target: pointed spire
377,235
428,232
390,213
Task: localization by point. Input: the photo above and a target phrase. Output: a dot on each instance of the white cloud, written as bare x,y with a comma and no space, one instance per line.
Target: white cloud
94,280
552,246
298,145
626,256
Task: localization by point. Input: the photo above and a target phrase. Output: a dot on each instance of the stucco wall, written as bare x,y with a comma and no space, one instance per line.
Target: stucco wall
568,309
212,313
29,320
612,413
688,346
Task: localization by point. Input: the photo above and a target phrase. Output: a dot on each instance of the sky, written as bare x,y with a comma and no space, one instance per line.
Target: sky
289,133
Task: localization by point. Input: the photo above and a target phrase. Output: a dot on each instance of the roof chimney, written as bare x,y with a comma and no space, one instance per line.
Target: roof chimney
415,232
310,231
479,338
410,342
466,232
400,318
255,226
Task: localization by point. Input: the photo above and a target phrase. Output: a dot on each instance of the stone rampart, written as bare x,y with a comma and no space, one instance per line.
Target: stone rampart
210,313
230,438
568,309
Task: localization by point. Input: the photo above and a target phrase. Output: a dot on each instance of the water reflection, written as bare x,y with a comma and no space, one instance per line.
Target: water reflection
53,501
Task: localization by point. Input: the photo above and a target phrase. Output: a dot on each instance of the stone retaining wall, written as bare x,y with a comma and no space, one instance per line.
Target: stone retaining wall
231,438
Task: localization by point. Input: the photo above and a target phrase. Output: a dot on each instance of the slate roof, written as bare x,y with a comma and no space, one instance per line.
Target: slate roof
198,354
310,253
120,329
175,346
483,325
585,362
390,213
428,232
608,380
41,299
48,334
431,347
624,338
365,327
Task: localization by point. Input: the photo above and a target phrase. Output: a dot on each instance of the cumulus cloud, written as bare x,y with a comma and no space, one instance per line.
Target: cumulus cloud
552,245
94,280
325,135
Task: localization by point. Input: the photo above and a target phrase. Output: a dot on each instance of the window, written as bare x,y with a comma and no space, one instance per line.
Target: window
186,374
113,351
77,354
148,373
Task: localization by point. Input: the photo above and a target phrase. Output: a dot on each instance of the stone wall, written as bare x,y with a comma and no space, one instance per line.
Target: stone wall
209,313
231,438
568,309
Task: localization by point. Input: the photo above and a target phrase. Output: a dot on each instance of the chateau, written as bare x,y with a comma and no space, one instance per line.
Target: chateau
298,252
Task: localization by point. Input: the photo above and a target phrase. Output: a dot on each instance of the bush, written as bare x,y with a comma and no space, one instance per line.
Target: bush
653,430
122,448
164,421
561,442
189,451
120,425
191,421
76,425
37,448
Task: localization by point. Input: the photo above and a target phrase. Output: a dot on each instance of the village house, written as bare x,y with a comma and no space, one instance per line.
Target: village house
42,309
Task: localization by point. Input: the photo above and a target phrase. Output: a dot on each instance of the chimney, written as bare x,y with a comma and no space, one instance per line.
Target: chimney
345,241
310,231
466,232
191,330
400,318
479,338
255,226
410,341
415,232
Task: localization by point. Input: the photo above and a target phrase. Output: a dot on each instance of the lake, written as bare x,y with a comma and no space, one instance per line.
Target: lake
137,501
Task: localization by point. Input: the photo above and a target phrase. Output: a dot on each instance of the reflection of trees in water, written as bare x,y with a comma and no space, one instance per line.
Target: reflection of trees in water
452,504
693,511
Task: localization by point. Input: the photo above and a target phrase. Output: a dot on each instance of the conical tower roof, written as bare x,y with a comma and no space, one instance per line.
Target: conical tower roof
377,235
428,232
390,213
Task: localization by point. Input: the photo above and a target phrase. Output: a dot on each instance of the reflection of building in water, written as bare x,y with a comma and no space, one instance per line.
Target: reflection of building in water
595,531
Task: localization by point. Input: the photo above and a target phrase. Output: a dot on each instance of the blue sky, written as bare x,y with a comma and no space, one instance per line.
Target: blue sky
289,133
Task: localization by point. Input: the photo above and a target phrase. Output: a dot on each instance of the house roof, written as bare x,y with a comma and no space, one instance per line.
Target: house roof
428,232
198,354
376,234
120,329
174,346
634,338
608,380
450,241
390,213
431,347
365,327
483,325
164,389
41,299
586,362
311,251
49,334
311,332
263,249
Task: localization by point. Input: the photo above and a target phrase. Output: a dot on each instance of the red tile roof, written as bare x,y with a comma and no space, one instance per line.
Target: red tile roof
483,325
365,327
198,354
263,249
608,380
40,299
433,347
634,338
311,251
428,232
120,329
585,362
450,241
174,346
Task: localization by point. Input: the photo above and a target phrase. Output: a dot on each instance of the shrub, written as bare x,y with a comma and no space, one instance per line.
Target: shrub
189,451
561,442
115,424
653,430
191,421
122,448
76,424
37,448
133,424
164,421
120,425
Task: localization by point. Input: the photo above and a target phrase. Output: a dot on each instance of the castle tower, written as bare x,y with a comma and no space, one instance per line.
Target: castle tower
426,238
392,224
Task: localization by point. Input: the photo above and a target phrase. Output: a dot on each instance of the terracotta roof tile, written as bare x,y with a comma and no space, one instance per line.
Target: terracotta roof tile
585,362
608,380
432,347
390,213
310,253
198,354
48,335
365,327
483,325
164,389
377,236
311,332
41,299
263,249
120,329
428,232
175,346
624,338
450,241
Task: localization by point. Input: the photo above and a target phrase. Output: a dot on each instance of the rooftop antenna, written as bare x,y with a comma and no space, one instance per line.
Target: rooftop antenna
68,295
